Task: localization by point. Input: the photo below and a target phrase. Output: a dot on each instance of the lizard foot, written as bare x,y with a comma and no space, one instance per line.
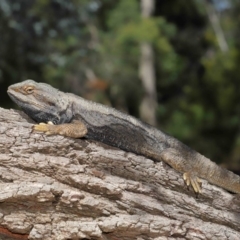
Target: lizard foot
75,129
194,181
43,127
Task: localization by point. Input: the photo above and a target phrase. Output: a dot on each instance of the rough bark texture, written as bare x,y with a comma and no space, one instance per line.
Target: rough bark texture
53,187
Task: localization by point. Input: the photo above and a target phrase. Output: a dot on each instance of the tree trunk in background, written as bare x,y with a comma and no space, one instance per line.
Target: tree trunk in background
215,22
147,72
52,187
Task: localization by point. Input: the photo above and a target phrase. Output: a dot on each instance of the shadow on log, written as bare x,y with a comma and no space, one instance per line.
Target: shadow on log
52,187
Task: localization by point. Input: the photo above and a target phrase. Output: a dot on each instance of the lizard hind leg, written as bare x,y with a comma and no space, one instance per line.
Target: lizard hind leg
194,181
177,160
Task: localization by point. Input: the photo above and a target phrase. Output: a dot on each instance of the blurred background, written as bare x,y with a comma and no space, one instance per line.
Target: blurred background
173,63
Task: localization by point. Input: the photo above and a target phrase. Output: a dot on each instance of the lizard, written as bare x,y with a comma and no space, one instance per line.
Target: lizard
69,115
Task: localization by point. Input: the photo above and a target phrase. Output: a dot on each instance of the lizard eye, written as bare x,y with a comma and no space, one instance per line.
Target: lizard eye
29,90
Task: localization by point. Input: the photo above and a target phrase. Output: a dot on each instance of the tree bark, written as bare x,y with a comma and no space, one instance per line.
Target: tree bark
52,187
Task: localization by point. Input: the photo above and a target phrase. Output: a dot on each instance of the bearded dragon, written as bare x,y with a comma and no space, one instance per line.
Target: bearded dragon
72,116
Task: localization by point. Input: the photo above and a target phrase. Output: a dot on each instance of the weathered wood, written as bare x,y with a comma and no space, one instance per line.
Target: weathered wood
53,187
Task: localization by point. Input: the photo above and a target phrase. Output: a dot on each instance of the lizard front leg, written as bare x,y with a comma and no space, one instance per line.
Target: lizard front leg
75,129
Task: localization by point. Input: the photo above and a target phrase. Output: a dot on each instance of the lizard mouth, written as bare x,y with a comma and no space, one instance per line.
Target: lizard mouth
15,96
20,99
11,94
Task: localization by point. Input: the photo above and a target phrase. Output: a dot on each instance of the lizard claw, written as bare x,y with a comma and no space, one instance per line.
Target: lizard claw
42,127
194,181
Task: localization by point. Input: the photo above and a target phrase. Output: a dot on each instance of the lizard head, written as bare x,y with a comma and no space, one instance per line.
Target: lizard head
41,101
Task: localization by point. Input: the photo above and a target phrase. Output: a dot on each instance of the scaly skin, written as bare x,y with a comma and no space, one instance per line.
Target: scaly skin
76,117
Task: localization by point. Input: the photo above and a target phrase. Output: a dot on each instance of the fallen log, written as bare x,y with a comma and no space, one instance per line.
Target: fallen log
53,187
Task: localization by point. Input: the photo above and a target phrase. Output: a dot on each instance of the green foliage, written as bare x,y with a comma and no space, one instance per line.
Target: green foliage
119,50
198,86
124,12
